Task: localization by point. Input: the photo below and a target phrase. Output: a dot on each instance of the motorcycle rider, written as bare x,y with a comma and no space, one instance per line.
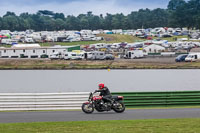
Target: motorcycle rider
105,93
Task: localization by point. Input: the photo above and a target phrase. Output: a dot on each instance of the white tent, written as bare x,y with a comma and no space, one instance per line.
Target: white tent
26,46
154,48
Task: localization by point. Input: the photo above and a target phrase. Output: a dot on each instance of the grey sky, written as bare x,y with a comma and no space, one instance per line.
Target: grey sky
75,7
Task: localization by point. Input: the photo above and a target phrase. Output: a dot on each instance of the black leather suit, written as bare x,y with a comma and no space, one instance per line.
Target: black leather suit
105,93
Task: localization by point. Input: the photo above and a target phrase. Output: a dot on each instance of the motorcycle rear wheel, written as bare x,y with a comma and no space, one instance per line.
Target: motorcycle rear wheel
120,107
87,108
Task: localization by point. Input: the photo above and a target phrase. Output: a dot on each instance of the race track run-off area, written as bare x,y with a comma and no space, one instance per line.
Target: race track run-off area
129,114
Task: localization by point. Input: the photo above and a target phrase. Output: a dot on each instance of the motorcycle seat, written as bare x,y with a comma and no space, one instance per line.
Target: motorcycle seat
115,97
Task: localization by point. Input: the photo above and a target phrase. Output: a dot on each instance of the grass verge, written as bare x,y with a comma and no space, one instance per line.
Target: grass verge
117,64
122,126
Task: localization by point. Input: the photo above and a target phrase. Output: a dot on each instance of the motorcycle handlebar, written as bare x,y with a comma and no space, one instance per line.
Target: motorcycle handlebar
94,92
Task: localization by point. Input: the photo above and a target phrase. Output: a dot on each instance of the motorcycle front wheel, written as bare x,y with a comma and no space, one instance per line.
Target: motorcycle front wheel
87,108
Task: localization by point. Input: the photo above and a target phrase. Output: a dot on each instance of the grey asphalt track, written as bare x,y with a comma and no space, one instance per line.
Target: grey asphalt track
19,117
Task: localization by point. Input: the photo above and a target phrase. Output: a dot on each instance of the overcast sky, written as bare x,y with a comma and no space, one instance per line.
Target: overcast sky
75,7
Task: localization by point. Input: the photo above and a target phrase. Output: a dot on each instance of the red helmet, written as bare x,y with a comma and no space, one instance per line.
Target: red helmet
101,86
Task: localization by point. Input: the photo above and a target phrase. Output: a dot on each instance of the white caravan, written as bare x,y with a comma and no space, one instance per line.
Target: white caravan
88,55
73,56
98,55
193,57
134,54
6,41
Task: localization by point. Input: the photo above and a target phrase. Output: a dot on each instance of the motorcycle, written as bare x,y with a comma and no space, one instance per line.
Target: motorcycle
97,103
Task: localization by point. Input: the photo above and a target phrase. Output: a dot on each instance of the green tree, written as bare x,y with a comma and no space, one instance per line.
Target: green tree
117,21
1,23
180,16
108,22
84,24
159,18
72,23
96,23
45,13
59,15
10,23
9,14
59,24
193,10
173,4
180,13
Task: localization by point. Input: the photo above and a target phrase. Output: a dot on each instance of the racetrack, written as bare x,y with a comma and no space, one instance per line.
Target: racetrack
131,114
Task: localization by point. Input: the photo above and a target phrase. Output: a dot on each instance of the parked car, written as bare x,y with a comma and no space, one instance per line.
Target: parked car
181,58
44,56
109,57
166,35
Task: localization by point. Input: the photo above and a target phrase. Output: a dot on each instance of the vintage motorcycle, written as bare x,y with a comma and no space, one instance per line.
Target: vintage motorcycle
96,102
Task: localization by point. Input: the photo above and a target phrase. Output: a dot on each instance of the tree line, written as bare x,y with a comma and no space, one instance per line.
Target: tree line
179,13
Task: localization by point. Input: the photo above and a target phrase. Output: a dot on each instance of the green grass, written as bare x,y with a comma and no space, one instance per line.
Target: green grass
122,126
4,45
61,65
70,43
116,38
